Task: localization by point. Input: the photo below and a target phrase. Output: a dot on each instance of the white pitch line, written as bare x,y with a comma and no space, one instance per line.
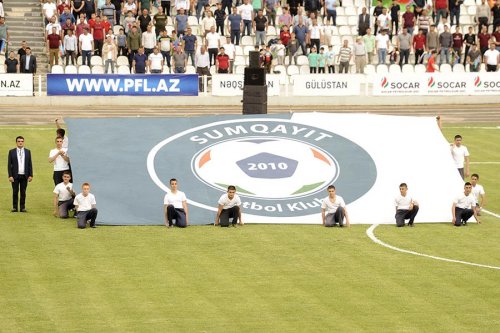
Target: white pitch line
491,213
369,233
484,162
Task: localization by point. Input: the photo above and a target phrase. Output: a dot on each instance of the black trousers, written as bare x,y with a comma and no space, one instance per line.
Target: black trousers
405,214
226,214
19,185
404,54
462,215
212,54
418,54
337,217
177,214
84,216
98,43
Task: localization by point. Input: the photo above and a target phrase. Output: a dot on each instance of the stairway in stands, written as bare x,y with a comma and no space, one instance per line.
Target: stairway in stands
24,18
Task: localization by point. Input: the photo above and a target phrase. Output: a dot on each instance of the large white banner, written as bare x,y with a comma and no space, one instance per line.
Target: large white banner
326,85
440,84
232,85
16,85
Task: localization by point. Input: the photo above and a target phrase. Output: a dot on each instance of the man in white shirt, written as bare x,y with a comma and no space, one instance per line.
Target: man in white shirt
148,40
63,197
492,58
246,12
478,192
155,61
86,46
49,9
109,53
212,43
85,206
406,207
229,207
230,50
20,171
333,209
175,206
59,157
384,20
460,155
382,45
464,207
52,24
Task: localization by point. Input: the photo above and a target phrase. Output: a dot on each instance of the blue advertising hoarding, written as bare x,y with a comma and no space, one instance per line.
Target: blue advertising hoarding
122,85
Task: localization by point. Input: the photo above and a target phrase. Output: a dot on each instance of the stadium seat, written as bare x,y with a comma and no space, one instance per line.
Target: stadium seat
354,30
407,69
351,12
344,30
352,20
292,70
282,73
193,20
96,61
369,69
394,69
471,10
116,29
166,69
382,69
419,68
350,40
239,60
302,60
459,68
2,69
247,49
99,69
271,31
169,29
340,11
239,69
2,59
247,40
482,68
79,60
70,69
469,3
84,70
122,61
123,70
334,30
304,69
190,69
335,40
342,20
445,68
238,50
348,3
56,69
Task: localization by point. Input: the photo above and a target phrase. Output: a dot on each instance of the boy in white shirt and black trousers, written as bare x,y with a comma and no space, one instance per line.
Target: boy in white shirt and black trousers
406,207
85,206
333,209
229,207
63,197
175,206
464,206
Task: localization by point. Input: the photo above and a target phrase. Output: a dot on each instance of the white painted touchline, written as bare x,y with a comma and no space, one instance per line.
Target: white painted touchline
484,162
491,213
369,233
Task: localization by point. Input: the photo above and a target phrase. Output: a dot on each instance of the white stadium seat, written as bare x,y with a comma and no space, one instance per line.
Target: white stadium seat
70,69
122,61
56,69
459,68
419,68
305,69
96,61
292,70
123,70
394,69
407,69
84,70
190,69
302,60
99,69
247,40
369,69
382,69
445,68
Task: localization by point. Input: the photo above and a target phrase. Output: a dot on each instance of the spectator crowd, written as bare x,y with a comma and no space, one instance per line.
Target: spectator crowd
207,36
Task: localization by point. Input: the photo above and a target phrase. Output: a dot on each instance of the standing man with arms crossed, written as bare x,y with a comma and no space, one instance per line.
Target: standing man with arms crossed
333,209
59,157
229,207
20,171
464,206
406,207
175,206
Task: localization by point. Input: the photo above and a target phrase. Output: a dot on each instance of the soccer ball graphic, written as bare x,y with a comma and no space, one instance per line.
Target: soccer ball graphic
266,168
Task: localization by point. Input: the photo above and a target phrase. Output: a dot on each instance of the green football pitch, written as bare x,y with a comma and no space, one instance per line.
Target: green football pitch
255,278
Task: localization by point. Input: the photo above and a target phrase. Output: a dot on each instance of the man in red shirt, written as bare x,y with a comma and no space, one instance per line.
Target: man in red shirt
409,20
419,41
53,42
458,42
484,38
98,33
431,63
62,5
440,9
222,62
285,35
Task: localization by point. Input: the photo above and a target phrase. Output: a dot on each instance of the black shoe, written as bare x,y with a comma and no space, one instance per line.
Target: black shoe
23,210
93,226
14,210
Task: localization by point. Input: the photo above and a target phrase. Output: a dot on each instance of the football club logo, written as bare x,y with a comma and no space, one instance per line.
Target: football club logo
280,168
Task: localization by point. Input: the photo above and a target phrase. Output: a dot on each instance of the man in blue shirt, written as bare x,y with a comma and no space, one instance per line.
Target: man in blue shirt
139,62
301,32
235,22
190,42
181,22
331,11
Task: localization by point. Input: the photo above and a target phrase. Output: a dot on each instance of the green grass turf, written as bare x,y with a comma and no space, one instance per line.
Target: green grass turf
266,278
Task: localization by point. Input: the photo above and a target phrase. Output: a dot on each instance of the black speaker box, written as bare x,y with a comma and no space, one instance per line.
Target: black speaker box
253,59
255,94
255,76
254,108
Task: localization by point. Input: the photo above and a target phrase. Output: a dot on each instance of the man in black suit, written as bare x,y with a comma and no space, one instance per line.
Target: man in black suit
28,62
20,173
363,22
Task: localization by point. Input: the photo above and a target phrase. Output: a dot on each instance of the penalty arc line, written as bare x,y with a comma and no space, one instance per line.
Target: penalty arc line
371,235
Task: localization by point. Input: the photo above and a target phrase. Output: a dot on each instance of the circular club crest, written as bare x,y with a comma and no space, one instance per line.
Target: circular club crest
280,168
